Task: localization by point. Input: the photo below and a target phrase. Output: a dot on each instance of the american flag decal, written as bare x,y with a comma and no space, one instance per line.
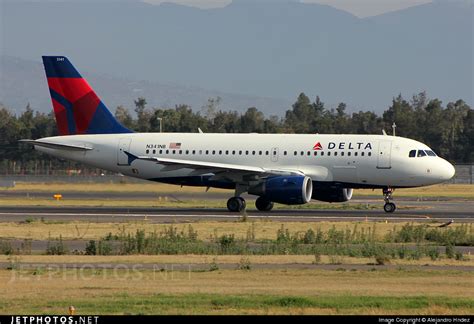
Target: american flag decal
175,145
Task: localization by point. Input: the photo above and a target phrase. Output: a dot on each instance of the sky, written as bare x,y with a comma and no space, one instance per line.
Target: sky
359,8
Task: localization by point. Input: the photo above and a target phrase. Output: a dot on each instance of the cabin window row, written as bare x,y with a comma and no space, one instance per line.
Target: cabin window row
285,153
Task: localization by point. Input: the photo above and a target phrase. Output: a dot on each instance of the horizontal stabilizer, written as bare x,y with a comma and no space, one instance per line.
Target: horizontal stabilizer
57,146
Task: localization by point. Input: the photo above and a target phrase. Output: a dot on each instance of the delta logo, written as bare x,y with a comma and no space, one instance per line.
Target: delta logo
344,146
317,146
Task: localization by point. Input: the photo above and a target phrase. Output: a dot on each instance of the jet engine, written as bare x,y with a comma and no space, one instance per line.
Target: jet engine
333,194
288,190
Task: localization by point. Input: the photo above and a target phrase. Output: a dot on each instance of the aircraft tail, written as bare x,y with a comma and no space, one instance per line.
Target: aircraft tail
77,108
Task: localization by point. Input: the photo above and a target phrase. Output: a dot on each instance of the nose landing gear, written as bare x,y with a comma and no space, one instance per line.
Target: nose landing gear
389,207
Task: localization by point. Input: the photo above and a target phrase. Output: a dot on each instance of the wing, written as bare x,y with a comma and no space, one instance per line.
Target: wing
231,170
57,146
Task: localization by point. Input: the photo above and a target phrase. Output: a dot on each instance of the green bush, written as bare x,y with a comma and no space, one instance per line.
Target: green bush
91,248
56,247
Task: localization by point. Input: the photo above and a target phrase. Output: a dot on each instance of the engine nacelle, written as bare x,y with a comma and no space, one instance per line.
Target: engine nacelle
288,190
333,194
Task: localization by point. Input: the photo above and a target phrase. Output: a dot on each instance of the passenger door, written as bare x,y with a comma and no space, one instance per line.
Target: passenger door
124,145
383,159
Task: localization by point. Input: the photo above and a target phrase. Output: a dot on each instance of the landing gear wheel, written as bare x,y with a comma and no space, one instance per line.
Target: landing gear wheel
263,204
389,207
236,204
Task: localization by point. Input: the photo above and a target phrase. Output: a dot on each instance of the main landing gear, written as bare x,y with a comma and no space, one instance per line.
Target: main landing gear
263,204
236,204
389,207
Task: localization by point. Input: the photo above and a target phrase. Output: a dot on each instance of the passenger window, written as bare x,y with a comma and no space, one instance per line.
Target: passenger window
348,153
322,153
421,153
226,152
295,153
369,154
356,153
240,152
315,153
362,153
342,153
246,152
174,151
412,153
335,153
253,152
220,152
309,153
329,153
194,152
154,151
147,151
284,153
207,152
259,152
302,153
167,152
161,151
213,152
233,152
267,153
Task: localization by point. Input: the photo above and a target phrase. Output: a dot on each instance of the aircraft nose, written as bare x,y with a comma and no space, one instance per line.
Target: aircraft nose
446,171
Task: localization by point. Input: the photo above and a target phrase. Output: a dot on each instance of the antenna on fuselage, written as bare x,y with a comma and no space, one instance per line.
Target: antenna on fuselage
200,130
393,127
384,132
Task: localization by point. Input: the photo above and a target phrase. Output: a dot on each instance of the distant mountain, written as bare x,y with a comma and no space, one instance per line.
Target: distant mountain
24,82
272,49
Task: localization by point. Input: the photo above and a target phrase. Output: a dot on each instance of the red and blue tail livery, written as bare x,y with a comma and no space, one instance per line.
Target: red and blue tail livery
77,108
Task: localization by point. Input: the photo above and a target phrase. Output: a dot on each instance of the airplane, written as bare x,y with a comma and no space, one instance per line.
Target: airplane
288,169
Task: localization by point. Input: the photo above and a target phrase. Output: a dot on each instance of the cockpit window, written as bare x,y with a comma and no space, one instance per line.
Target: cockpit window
412,153
421,153
430,153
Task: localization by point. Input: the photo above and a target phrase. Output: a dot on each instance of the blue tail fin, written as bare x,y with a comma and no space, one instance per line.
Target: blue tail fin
77,108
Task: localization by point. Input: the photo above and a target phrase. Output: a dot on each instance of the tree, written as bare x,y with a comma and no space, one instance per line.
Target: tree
142,114
252,121
123,116
300,118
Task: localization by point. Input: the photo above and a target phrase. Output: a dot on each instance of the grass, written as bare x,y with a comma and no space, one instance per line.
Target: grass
258,230
441,190
237,292
221,259
437,191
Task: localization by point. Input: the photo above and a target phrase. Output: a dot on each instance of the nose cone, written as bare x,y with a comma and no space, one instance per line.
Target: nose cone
446,170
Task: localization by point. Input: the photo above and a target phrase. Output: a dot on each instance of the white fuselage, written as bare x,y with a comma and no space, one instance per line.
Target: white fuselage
353,160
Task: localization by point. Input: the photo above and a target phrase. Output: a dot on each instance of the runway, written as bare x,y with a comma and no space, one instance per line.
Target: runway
458,211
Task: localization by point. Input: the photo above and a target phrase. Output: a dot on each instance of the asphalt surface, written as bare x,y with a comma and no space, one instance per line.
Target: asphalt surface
440,211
